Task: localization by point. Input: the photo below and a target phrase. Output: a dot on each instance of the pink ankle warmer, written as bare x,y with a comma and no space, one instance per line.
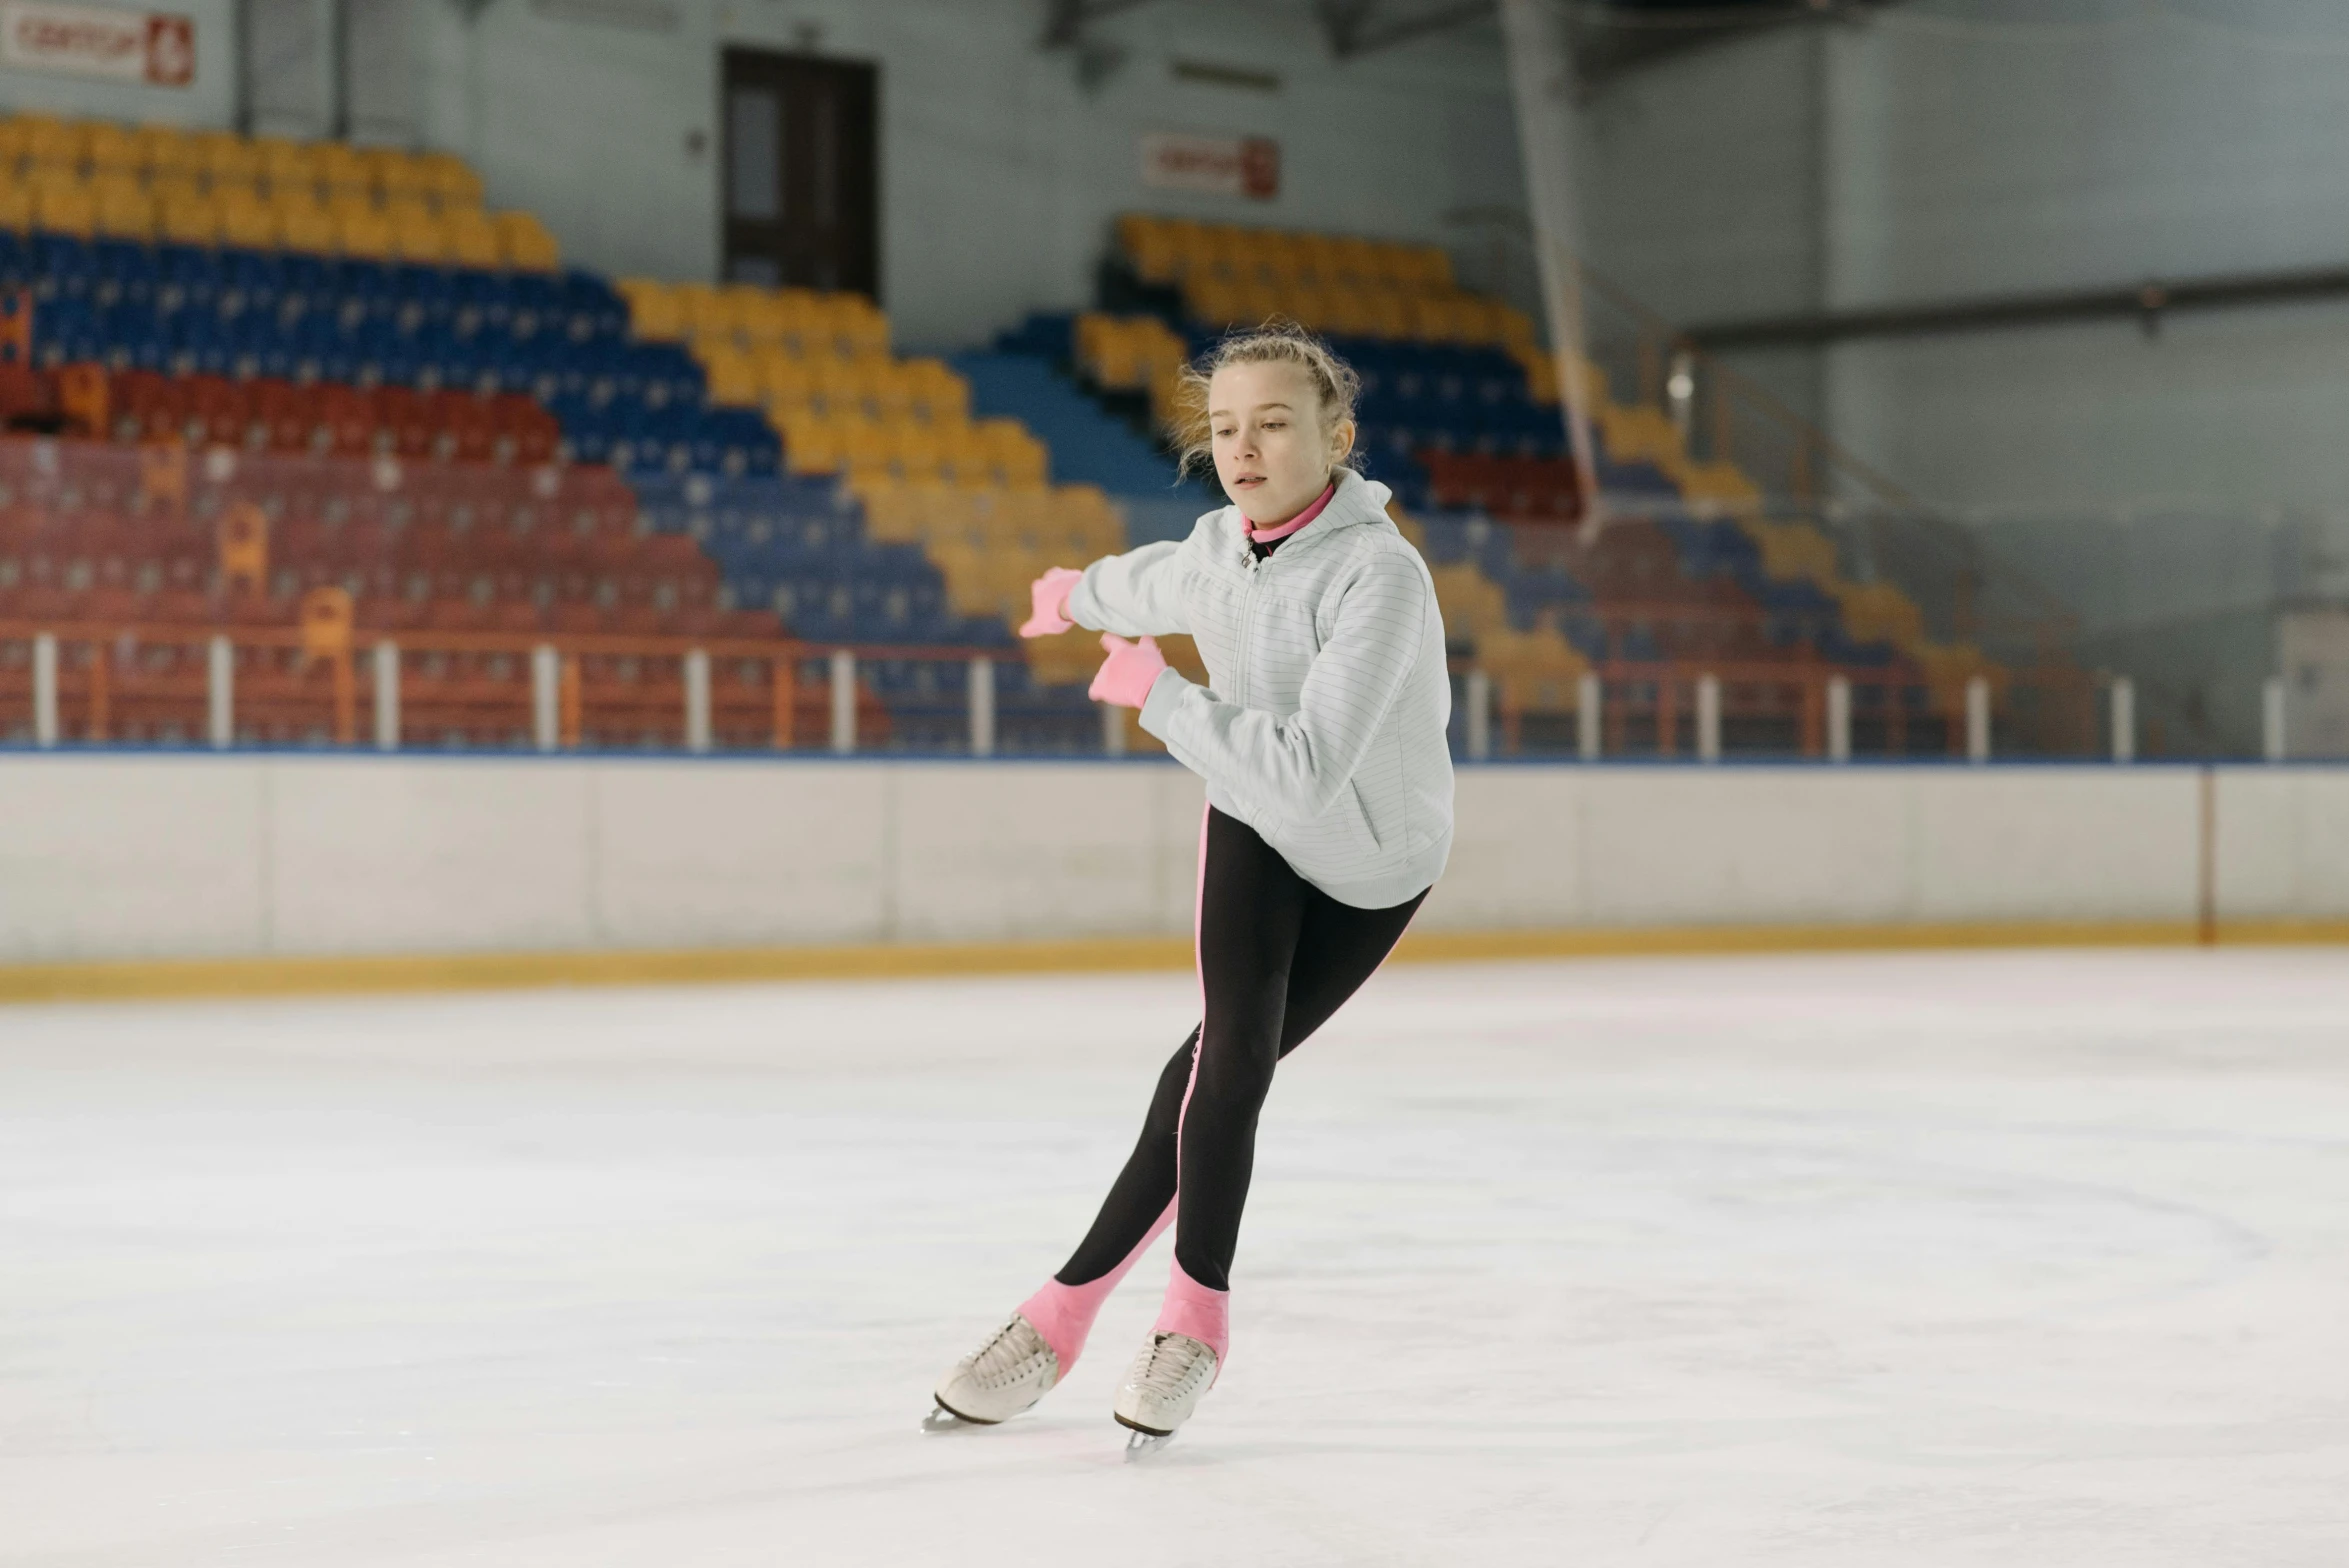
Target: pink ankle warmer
1191,1308
1064,1314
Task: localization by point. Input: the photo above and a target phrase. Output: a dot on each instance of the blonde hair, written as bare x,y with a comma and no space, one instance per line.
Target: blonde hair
1277,342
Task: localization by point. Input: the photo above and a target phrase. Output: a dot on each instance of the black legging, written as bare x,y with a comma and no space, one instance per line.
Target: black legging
1277,957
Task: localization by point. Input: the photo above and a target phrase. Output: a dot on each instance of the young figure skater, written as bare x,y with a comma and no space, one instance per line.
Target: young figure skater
1329,789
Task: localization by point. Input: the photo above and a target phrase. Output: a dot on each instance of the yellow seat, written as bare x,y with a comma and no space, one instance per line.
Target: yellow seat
452,182
858,327
707,312
343,170
813,445
52,143
653,310
864,447
124,209
226,158
287,168
733,377
1017,457
184,216
114,149
246,222
16,207
783,376
528,247
12,140
939,395
472,239
63,207
914,450
965,456
836,386
1389,313
396,175
364,230
886,390
417,233
761,316
304,226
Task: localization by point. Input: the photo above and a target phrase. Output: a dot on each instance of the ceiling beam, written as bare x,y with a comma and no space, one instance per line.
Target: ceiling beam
1372,31
1065,20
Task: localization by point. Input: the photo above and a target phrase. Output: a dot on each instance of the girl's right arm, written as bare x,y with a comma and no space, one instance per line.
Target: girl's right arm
1137,594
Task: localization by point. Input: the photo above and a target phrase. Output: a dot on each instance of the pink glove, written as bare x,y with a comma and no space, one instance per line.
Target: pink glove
1047,598
1126,676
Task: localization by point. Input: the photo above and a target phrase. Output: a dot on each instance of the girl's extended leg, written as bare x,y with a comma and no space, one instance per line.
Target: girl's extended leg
1309,957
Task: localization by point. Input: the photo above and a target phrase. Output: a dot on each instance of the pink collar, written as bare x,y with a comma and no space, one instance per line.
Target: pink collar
1283,530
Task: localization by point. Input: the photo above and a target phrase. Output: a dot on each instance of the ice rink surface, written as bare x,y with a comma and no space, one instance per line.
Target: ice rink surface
1895,1261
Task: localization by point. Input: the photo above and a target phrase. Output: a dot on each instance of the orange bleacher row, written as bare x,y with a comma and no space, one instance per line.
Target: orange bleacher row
279,416
92,533
448,424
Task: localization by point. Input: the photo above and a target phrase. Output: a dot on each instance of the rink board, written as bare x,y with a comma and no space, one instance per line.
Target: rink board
247,856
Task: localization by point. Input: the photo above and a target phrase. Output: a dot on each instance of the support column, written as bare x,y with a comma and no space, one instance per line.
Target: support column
1839,718
1477,693
2124,720
546,697
220,683
1541,83
1113,729
982,699
45,689
387,696
697,700
1589,715
1978,719
1708,718
2275,743
843,702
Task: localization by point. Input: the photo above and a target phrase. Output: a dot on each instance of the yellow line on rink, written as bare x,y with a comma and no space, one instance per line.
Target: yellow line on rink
157,979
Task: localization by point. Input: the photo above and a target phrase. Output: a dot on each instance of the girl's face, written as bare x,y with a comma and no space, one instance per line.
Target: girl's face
1271,452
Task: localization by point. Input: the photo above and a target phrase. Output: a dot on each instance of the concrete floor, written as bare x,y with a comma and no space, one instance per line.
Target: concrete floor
2008,1259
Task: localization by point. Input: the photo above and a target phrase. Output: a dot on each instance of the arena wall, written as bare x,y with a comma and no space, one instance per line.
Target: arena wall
251,856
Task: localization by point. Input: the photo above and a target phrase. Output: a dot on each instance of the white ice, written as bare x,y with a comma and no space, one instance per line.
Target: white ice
1841,1262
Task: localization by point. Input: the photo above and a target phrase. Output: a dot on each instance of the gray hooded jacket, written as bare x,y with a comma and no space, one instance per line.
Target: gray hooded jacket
1323,726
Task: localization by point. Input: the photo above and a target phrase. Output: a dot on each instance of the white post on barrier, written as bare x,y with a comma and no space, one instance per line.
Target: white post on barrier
546,705
982,697
1113,729
1589,693
2124,720
1708,718
1839,718
843,702
45,732
697,699
2275,743
387,695
220,690
1477,692
1978,719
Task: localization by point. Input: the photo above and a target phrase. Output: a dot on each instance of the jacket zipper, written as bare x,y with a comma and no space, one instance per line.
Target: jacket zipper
1247,621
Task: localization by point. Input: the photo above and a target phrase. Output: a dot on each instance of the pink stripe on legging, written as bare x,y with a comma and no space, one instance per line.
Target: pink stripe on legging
1064,1314
1190,1307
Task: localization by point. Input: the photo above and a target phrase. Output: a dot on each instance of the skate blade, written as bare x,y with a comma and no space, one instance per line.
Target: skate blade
1142,1445
941,1419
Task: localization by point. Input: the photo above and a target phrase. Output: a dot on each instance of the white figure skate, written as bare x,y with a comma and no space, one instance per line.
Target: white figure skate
997,1381
1161,1389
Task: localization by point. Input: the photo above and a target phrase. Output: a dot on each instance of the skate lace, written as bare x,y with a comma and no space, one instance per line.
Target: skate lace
1009,1354
1168,1364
